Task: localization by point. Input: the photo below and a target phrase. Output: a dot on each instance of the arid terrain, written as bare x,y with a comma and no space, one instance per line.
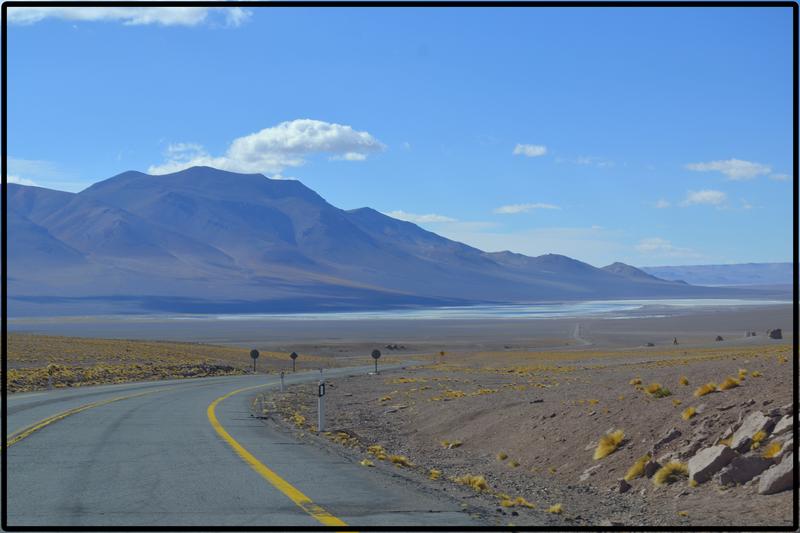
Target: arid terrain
514,434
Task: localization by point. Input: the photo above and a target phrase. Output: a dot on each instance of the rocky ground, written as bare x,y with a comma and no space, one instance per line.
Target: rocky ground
515,434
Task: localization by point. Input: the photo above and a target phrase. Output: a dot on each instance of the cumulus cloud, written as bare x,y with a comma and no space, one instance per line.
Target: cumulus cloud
663,247
522,208
419,219
530,150
734,169
19,181
132,16
662,204
271,150
705,197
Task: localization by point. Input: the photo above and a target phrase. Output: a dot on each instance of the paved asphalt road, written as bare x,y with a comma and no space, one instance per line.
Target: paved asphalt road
152,456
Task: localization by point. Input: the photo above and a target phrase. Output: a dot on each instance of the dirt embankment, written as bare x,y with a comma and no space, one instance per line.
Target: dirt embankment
516,434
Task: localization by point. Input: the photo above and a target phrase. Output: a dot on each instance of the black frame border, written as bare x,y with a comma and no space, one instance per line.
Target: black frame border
395,4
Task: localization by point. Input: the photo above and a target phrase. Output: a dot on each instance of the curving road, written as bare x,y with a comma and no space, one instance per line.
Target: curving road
188,453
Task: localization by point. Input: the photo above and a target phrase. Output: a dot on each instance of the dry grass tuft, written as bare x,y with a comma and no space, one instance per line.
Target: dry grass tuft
725,442
756,374
729,383
772,450
477,483
688,413
366,462
676,402
742,373
670,473
400,460
608,444
434,474
556,509
451,444
378,451
708,388
513,463
635,381
683,380
637,470
758,438
683,513
502,456
657,390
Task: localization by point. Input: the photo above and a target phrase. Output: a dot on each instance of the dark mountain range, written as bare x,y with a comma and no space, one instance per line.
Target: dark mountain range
205,240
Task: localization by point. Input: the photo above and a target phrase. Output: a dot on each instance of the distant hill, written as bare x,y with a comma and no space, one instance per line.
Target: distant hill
205,240
753,274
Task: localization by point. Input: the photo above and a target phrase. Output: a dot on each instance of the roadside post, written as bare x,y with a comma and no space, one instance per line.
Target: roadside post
282,373
293,355
321,406
254,355
376,354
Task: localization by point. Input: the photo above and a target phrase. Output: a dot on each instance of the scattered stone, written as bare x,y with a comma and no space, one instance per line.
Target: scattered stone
589,472
778,478
668,437
725,407
742,469
611,523
538,400
651,467
709,461
690,449
787,409
719,338
752,424
748,403
775,333
766,402
649,344
784,424
623,486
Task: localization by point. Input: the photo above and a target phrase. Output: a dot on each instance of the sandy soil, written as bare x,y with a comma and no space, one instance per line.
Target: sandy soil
543,413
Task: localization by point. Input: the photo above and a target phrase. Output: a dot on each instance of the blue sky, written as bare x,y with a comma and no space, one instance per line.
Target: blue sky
649,136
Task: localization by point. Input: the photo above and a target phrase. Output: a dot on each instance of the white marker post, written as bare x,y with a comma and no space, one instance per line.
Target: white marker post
321,406
282,381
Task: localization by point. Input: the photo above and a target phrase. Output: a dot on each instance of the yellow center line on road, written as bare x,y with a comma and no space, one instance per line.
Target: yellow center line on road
300,499
26,432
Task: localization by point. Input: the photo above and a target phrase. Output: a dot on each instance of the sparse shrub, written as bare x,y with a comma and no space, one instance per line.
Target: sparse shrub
434,474
513,463
556,509
708,388
522,502
657,391
729,383
399,460
635,381
477,483
758,438
772,450
742,373
637,470
688,413
451,444
378,451
676,402
366,462
683,380
756,374
608,444
670,473
502,456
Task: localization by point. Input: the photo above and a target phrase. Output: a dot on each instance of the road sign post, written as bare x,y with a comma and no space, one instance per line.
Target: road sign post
282,380
254,355
321,406
376,354
293,355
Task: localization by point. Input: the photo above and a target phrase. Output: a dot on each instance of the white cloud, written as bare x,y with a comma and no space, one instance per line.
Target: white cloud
271,150
594,161
664,248
734,169
530,150
780,177
419,219
522,208
19,181
662,204
705,197
132,16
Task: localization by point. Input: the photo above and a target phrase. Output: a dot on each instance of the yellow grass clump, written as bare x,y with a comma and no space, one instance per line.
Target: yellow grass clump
683,380
676,402
451,444
758,438
725,442
522,502
434,474
385,399
683,513
608,444
670,473
478,483
693,483
502,456
366,462
729,383
772,450
635,381
756,374
400,460
556,509
378,451
513,463
742,373
621,397
657,390
688,413
594,402
637,470
708,388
